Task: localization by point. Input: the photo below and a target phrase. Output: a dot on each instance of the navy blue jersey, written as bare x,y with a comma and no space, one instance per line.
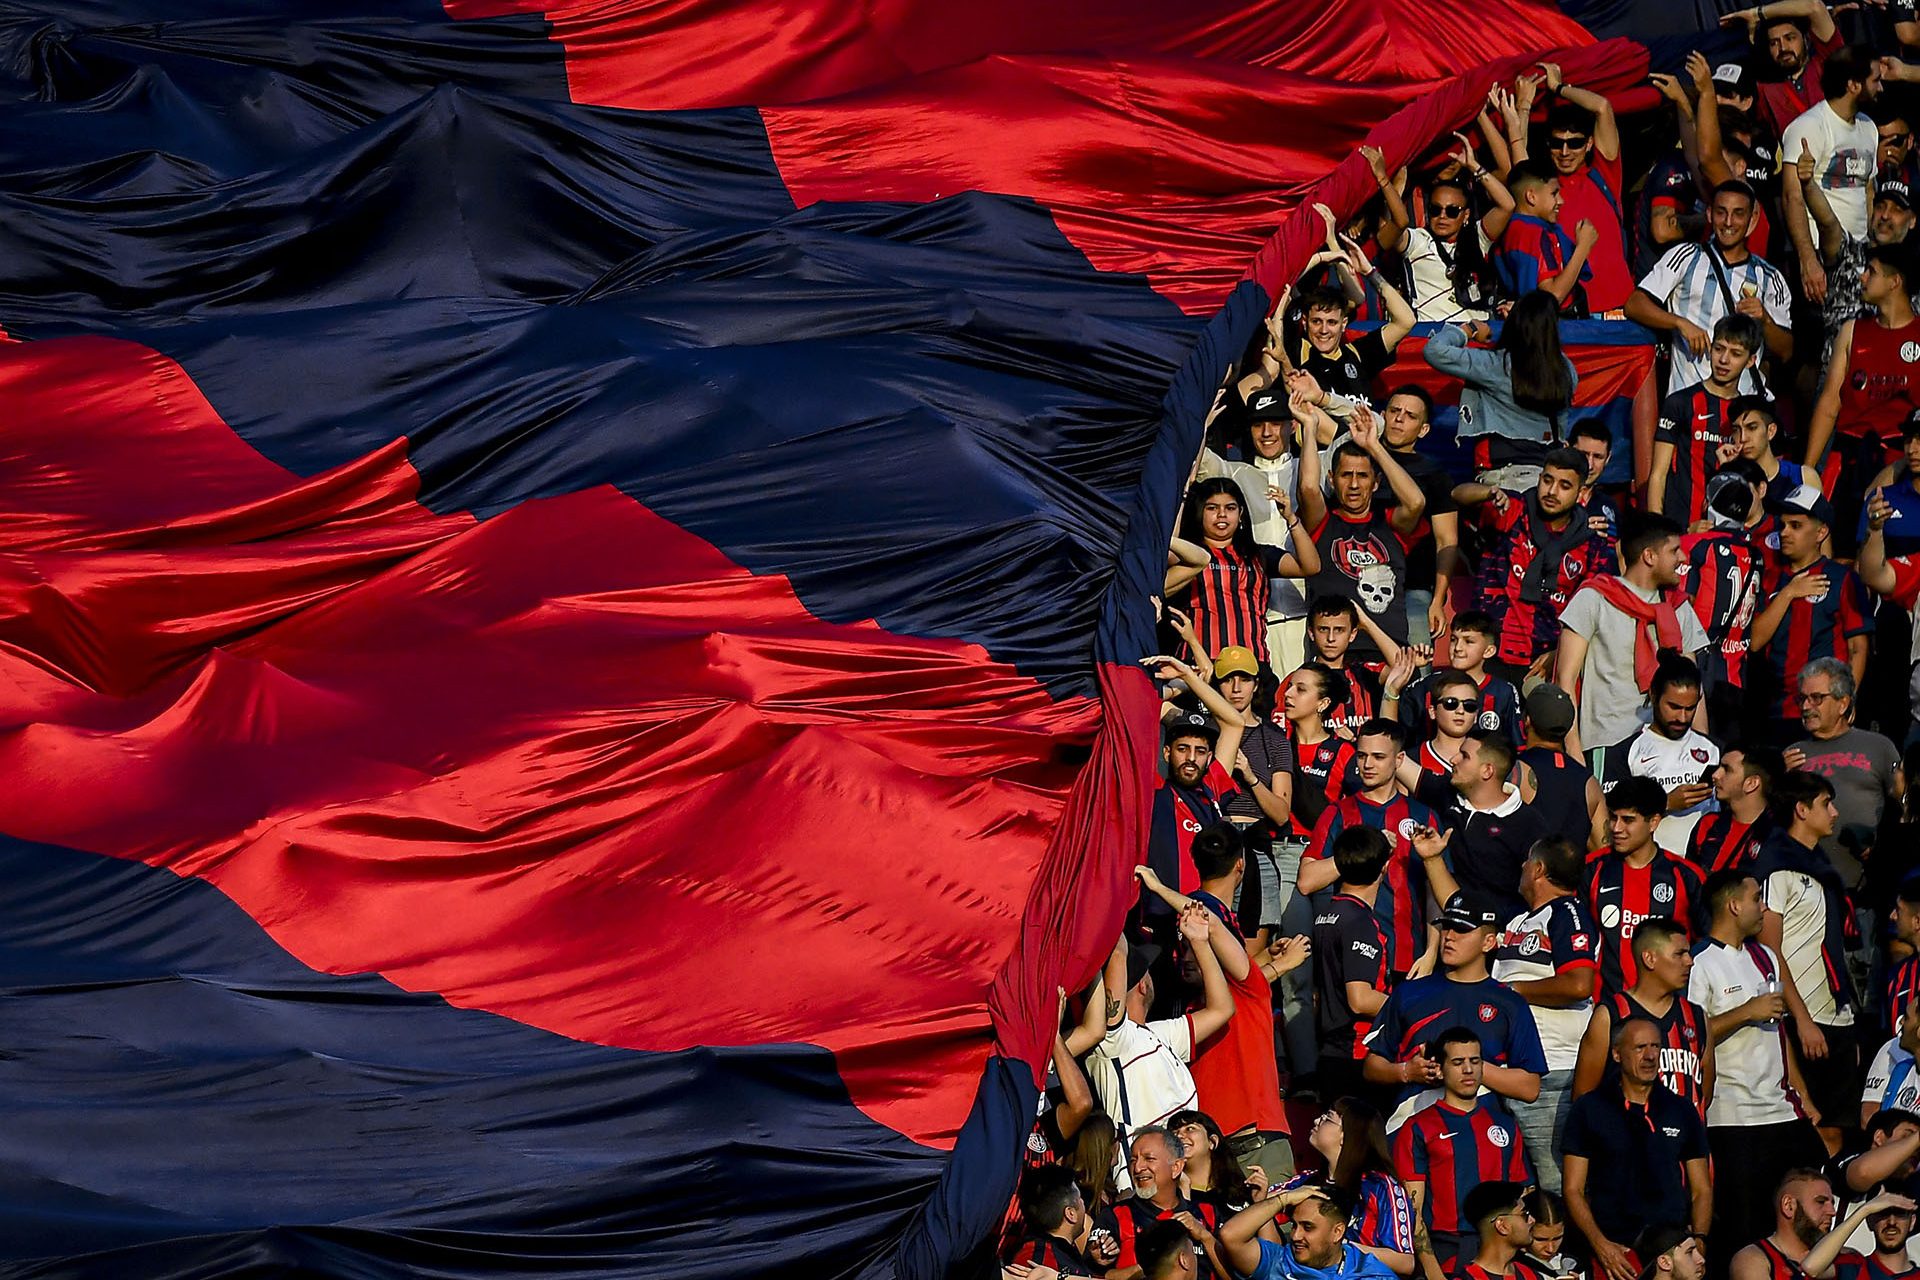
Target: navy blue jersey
1417,1012
1694,421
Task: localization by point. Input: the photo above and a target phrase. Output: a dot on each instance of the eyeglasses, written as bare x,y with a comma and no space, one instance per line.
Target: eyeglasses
1574,143
1896,139
1815,698
1326,1117
1449,210
1459,704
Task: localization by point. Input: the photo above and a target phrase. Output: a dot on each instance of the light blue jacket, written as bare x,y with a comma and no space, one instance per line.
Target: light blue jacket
1487,407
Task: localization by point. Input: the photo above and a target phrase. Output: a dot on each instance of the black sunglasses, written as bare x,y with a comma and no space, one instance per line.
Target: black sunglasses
1896,139
1449,210
1568,144
1458,704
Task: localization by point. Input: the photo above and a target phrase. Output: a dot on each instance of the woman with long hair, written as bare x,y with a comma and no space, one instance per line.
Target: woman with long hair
1352,1136
1228,601
1091,1160
1213,1171
1518,389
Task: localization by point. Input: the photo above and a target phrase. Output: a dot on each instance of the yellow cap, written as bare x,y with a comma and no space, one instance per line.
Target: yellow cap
1235,660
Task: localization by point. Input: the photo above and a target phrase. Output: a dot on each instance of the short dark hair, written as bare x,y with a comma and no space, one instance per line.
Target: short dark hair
1335,1202
1648,532
1495,746
1909,890
1746,468
1324,298
1526,175
1897,257
1561,860
1656,930
1360,854
1762,762
1478,621
1744,331
1419,393
1447,678
1380,726
1333,604
1591,429
1046,1193
1722,885
1849,64
1887,1119
1574,119
1562,458
1350,449
1452,1036
1735,187
1796,788
1643,796
1740,406
1159,1248
1217,849
1674,669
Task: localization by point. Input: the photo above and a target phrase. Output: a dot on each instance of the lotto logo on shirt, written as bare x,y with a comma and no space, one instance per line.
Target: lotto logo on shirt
1581,942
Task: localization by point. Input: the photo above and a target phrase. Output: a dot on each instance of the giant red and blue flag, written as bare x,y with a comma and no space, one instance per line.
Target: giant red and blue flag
571,584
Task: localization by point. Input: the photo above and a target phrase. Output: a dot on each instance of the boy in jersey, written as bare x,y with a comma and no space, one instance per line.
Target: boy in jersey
1872,385
1757,1126
1694,424
1333,626
1756,426
1720,570
1353,962
1534,252
1550,956
1463,993
1463,1139
1323,352
1733,833
1634,879
1658,995
1452,712
1400,904
1497,1213
1821,609
1472,641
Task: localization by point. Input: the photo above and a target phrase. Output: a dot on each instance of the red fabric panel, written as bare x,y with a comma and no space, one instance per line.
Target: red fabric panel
1607,372
571,766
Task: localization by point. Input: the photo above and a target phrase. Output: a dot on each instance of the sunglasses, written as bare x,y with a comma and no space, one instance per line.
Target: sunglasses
1449,210
1459,704
1896,139
1568,144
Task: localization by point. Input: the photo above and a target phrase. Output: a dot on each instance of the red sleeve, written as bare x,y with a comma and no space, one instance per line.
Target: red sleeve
1337,777
1323,831
1221,780
1906,581
1025,1252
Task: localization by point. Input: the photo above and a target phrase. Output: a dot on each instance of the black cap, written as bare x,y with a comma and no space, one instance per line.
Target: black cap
1894,189
1655,1242
1269,405
1729,496
1190,723
1469,910
1141,957
1490,1198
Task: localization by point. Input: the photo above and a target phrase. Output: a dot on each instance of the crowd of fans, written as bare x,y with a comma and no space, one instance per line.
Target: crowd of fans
1531,889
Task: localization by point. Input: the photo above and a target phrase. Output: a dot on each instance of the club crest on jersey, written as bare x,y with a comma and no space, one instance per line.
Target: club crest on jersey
1498,1136
1700,754
1407,827
1663,893
1488,1013
1353,556
1910,351
1489,720
1530,945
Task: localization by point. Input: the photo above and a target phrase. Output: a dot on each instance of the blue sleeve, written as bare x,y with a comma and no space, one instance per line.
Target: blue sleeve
1574,939
1384,1039
1274,1260
1525,1052
1518,272
1576,1138
1446,350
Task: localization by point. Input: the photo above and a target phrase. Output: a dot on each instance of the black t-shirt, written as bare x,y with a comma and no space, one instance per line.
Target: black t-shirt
1351,369
1487,849
1638,1154
1364,560
1437,487
1347,947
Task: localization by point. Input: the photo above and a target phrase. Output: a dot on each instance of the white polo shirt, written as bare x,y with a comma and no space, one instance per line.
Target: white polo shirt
1750,1066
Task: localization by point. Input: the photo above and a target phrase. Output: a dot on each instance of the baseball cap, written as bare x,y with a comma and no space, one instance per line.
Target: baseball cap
1733,79
1141,956
1911,426
1729,499
1896,190
1235,660
1550,709
1469,910
1490,1198
1189,723
1267,405
1809,501
1654,1243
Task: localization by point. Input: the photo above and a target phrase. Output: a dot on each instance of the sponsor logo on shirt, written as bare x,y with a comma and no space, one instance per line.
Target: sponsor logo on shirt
1580,942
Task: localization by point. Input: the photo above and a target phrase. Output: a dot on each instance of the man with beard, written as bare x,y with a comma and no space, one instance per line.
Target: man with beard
1888,1220
1797,36
1159,1158
1803,1210
1843,143
1683,296
1318,1248
1669,750
1539,549
1614,629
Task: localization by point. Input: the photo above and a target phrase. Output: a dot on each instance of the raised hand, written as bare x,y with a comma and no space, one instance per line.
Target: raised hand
1804,163
1194,923
1879,510
1376,161
1700,71
1584,232
1670,89
1554,78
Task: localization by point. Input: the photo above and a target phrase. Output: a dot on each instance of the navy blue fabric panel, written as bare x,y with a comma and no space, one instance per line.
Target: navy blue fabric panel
170,1072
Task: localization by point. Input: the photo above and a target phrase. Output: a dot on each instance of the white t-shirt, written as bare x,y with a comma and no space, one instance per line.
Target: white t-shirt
1801,904
1892,1082
1750,1066
1534,946
1154,1058
1843,163
1611,698
1433,297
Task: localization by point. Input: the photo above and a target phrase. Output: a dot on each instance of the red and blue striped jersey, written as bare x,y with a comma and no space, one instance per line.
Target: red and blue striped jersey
1855,1266
1720,841
1694,421
1419,1009
1720,578
1528,630
1462,1267
1818,628
1683,1034
1228,602
1179,814
1621,895
1901,986
1531,250
1455,1151
1401,903
1319,780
